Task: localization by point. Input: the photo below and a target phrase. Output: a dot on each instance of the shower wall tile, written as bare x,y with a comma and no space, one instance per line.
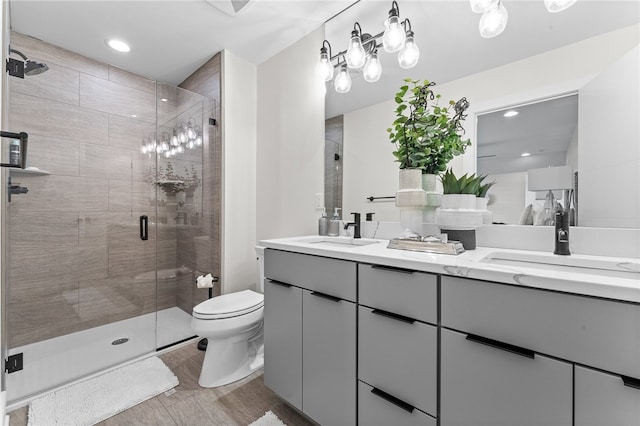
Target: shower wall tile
127,132
41,51
143,197
105,162
94,226
107,300
34,268
206,80
62,193
120,195
43,314
39,229
57,84
58,120
114,98
129,79
57,156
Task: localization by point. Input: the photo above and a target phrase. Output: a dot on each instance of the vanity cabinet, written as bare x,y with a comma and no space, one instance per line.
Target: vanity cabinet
283,332
605,399
489,383
397,347
329,359
310,334
489,330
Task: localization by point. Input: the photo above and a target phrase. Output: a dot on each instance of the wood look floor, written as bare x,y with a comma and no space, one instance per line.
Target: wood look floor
237,404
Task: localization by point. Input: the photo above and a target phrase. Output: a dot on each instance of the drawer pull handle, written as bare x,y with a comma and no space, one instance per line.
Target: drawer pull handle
393,269
392,399
631,382
326,296
281,284
527,353
393,316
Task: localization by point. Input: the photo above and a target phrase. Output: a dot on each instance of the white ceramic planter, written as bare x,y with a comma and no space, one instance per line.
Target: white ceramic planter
481,203
458,202
410,193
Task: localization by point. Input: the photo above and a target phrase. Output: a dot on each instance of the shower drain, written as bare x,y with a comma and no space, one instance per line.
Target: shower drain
120,341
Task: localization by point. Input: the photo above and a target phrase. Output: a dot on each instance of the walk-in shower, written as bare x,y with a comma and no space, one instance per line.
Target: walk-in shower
104,248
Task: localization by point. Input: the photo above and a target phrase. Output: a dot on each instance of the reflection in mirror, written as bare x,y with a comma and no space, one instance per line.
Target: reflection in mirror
515,139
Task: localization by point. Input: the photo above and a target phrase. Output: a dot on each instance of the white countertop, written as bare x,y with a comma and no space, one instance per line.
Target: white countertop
470,264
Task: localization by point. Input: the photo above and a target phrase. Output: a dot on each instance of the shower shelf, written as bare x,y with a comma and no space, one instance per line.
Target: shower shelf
29,171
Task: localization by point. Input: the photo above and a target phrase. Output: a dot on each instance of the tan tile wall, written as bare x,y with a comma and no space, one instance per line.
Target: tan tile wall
75,250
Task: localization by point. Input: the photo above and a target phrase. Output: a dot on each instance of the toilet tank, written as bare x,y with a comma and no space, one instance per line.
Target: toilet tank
260,253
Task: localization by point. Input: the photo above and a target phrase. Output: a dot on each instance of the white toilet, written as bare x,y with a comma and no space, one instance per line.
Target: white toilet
233,326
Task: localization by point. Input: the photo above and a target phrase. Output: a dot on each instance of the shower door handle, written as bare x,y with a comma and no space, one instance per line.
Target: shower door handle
144,228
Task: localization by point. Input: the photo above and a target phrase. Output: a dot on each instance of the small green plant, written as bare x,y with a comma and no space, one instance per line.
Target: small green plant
467,184
482,189
430,135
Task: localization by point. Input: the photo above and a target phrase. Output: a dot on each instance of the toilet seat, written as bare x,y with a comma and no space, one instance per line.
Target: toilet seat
229,305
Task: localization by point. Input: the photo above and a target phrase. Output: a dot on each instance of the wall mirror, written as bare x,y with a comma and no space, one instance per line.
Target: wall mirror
517,138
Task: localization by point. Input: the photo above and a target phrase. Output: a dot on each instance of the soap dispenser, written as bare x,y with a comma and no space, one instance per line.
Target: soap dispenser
334,223
323,223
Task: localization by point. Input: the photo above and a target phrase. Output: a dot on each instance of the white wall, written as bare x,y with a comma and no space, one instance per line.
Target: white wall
609,155
239,115
290,152
369,167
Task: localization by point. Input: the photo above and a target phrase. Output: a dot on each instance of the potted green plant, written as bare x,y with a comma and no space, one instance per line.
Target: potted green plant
481,194
426,135
457,216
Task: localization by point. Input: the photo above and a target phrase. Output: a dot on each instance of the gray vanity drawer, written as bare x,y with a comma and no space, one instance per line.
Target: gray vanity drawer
374,410
405,292
325,275
594,332
603,399
399,357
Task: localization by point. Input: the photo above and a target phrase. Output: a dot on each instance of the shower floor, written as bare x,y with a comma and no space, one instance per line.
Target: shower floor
54,362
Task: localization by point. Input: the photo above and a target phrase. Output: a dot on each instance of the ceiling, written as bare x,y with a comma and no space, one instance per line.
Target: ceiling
501,140
172,38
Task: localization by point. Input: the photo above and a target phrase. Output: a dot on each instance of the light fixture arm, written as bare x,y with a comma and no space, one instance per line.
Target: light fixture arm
406,24
395,9
323,49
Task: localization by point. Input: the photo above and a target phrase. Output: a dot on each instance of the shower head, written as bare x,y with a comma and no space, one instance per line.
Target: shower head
31,67
34,68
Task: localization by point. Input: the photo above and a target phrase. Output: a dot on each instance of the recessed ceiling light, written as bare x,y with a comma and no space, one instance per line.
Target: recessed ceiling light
118,45
164,99
511,113
525,154
133,115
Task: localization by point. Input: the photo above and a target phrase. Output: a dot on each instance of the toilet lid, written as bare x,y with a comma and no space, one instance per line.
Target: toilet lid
229,305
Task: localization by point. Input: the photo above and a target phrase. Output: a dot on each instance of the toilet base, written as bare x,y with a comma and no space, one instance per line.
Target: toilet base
226,362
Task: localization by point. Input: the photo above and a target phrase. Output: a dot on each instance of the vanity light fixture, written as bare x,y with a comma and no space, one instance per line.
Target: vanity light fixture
494,15
554,6
511,113
362,53
185,135
118,45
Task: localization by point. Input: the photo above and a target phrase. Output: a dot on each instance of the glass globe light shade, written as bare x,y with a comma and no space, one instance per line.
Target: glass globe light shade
167,154
554,6
409,54
481,6
356,55
394,36
143,149
493,21
372,69
324,67
342,82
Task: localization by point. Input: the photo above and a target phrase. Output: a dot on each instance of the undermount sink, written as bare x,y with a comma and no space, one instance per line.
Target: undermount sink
341,242
602,267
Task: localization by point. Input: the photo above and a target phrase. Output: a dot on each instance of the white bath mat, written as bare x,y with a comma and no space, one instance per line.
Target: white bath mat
269,419
98,398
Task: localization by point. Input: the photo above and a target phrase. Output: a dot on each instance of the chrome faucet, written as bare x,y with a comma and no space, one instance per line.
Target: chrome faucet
562,233
355,224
